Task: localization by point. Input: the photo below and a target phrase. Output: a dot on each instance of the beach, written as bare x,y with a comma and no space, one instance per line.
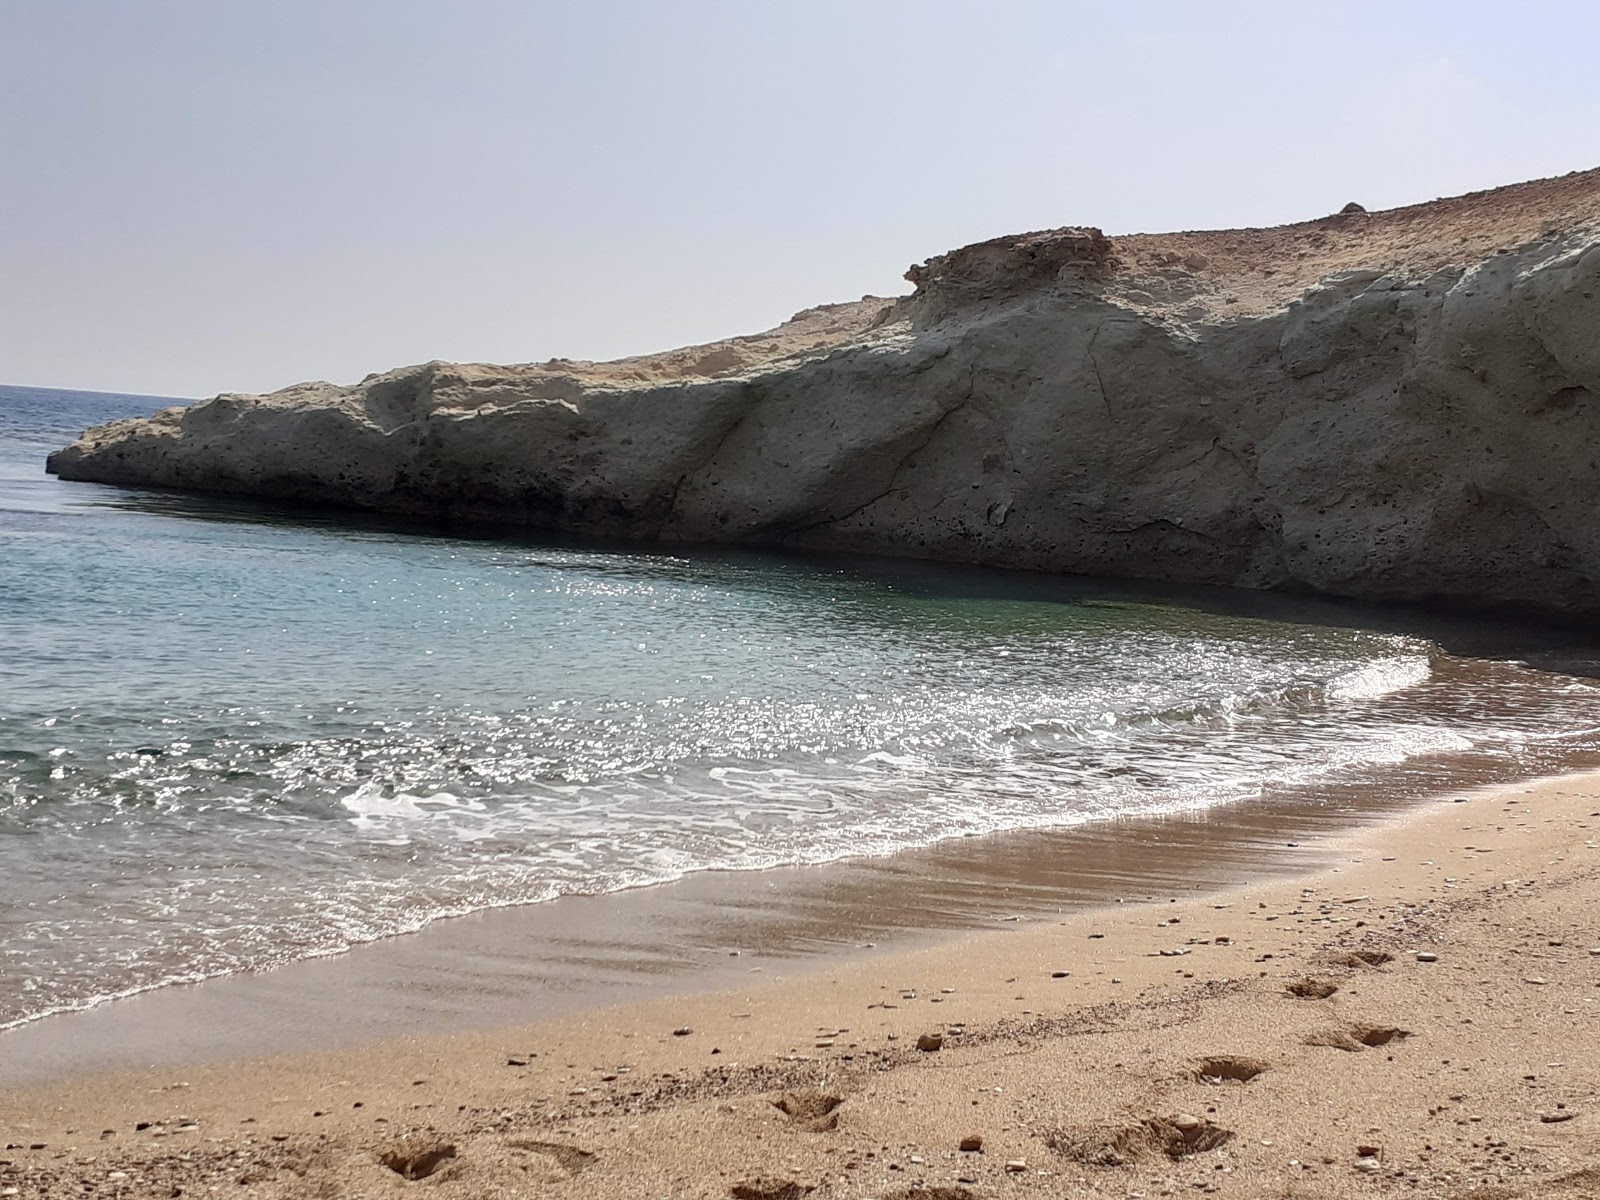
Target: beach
1074,675
1417,1013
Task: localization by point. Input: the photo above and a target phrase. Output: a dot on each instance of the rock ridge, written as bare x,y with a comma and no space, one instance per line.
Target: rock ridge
1394,405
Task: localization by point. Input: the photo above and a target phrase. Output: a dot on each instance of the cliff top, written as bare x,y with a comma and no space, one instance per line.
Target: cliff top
1241,271
1205,275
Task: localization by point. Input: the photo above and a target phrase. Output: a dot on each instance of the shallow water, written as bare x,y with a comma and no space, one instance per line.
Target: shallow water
234,735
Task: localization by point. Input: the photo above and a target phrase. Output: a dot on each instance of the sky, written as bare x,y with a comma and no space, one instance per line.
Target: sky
232,195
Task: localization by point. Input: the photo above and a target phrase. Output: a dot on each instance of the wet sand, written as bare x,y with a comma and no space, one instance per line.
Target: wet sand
1097,1052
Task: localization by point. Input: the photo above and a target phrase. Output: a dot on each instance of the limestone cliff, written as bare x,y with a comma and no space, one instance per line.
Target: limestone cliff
1396,405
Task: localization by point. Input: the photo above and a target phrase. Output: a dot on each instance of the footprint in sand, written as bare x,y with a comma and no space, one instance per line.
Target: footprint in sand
1311,989
1357,959
763,1187
1356,1036
1175,1137
569,1158
416,1159
1227,1068
810,1110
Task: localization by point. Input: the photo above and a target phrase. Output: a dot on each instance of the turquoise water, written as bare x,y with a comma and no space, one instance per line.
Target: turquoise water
232,736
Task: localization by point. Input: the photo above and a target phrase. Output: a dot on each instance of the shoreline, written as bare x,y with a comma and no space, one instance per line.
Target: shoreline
713,929
1138,1008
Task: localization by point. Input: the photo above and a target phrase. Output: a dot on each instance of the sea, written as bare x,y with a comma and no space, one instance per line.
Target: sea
235,734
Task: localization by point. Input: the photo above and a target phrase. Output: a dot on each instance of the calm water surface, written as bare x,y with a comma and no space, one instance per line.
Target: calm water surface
232,736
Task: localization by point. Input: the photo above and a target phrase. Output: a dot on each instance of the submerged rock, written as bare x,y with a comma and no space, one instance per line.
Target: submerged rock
1398,408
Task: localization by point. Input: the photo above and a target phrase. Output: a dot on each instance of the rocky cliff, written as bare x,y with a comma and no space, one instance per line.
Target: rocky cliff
1399,405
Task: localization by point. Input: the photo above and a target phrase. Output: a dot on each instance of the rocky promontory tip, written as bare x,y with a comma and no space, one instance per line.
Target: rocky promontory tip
1393,405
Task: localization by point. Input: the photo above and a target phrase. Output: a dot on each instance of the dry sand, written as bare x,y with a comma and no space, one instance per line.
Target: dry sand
1280,1039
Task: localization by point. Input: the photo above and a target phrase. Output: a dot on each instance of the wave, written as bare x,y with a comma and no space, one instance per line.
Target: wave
375,735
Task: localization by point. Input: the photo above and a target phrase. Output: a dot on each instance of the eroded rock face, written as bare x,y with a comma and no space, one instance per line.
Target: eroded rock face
1005,267
1408,434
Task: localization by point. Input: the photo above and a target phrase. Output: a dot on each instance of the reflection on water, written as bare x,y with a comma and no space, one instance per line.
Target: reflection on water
236,735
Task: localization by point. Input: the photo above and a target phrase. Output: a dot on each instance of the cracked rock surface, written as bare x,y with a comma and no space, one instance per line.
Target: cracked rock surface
1398,405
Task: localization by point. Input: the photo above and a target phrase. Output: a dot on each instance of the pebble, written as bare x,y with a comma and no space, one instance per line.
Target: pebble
1017,1165
685,1031
1370,1165
1059,974
1187,1122
1555,1118
1427,956
929,1042
1533,979
971,1144
1595,950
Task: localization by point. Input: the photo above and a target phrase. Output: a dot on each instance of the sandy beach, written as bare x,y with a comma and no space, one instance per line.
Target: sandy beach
799,602
1419,1016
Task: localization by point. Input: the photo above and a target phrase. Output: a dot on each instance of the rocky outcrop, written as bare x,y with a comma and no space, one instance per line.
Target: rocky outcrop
1421,422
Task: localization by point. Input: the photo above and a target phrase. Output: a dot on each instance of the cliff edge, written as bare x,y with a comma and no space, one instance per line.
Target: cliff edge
1399,405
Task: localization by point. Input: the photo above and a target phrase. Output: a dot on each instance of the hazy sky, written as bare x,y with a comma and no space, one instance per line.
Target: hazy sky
209,195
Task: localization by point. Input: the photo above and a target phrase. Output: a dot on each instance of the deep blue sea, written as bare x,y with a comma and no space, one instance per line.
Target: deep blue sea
233,735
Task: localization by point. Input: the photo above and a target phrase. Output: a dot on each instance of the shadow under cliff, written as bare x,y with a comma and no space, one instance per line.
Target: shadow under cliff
1569,646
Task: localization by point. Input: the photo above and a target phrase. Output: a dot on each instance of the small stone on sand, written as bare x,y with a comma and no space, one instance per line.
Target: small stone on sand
929,1042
